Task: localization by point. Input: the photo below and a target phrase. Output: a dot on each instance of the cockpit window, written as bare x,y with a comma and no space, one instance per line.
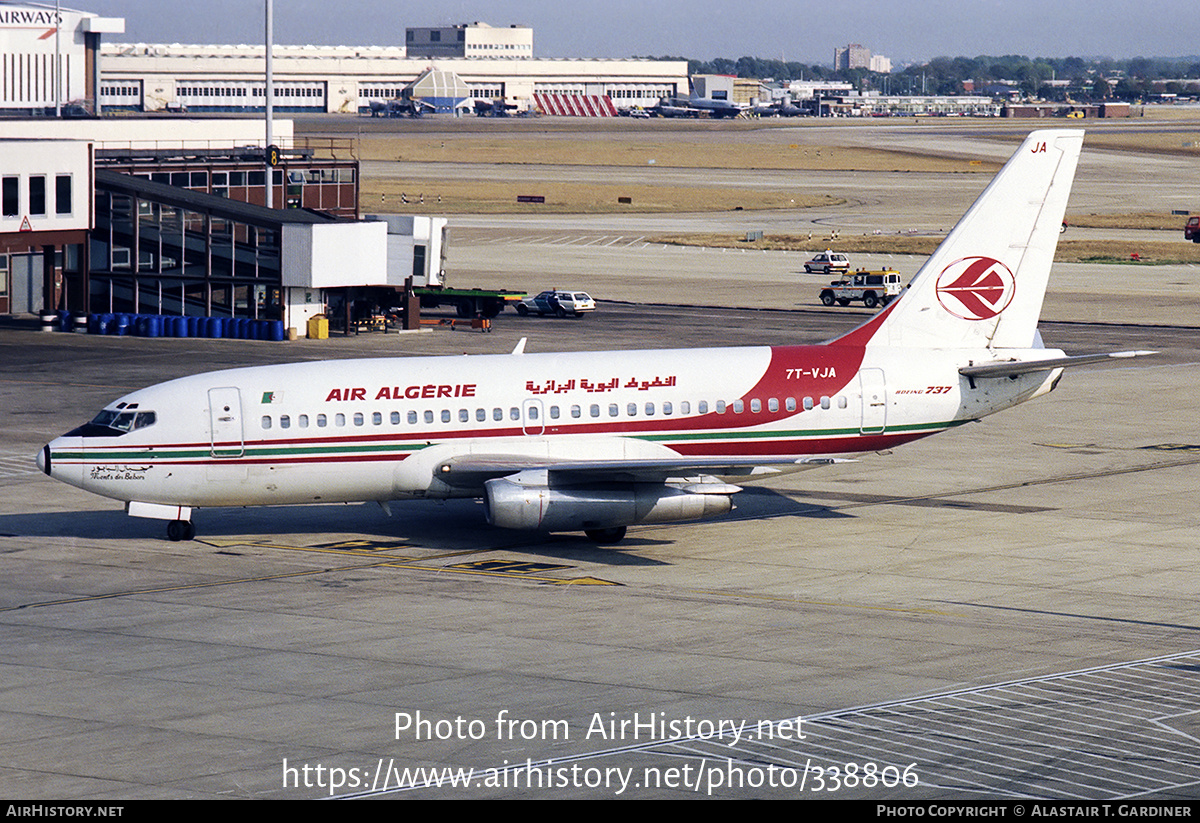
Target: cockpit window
115,422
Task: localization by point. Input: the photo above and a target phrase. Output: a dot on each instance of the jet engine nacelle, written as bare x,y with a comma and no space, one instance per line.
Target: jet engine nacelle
515,503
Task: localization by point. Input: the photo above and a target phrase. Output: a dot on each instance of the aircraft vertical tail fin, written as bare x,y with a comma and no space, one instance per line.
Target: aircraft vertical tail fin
984,285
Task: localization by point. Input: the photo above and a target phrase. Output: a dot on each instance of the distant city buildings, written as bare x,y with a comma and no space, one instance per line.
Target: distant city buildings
854,56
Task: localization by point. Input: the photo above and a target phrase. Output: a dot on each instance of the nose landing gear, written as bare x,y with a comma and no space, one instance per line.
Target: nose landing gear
180,530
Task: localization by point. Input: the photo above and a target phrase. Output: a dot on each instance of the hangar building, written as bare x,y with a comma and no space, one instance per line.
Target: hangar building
314,79
50,59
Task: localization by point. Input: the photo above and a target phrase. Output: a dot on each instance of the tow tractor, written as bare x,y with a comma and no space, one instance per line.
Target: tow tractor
871,287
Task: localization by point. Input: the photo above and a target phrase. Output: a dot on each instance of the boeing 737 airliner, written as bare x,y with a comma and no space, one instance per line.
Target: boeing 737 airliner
601,441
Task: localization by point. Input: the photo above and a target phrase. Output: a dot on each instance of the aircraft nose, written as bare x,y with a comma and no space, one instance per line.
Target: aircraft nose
43,459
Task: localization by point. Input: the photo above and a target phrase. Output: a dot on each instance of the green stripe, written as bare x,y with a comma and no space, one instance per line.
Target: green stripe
262,451
806,433
331,450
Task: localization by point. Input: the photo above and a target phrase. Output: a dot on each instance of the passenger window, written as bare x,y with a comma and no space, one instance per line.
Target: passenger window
376,418
514,413
738,407
429,415
631,410
302,421
480,415
412,417
808,403
756,405
649,409
720,407
667,407
266,421
285,422
613,410
321,421
702,407
358,418
825,402
533,412
464,416
339,420
576,411
685,407
841,402
773,405
790,404
497,414
395,418
445,415
554,412
595,410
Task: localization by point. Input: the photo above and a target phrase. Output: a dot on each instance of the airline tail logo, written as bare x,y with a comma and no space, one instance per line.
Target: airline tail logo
976,288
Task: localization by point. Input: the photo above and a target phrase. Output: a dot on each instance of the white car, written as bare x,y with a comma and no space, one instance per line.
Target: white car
828,261
557,302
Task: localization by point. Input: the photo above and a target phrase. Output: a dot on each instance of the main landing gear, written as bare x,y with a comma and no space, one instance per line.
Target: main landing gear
180,530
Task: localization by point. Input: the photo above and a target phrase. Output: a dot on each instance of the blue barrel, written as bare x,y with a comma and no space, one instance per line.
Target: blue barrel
121,324
193,326
275,331
64,320
152,325
216,327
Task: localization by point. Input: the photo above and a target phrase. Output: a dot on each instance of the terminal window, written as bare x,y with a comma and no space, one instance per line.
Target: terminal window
62,194
37,194
10,197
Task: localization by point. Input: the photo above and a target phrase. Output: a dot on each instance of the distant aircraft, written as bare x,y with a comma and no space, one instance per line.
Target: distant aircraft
780,108
493,108
599,441
695,107
409,107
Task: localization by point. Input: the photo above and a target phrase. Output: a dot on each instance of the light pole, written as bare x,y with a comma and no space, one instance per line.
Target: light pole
270,101
57,61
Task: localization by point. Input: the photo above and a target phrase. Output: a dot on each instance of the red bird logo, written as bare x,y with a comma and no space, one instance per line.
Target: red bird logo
976,288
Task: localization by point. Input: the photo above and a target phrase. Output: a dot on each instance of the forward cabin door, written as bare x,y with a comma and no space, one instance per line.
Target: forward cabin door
225,414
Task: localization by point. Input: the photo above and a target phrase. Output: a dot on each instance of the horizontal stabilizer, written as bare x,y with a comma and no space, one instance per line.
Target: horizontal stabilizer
1011,368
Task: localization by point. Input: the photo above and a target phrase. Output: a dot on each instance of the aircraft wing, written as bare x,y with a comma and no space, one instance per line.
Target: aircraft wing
1011,368
471,471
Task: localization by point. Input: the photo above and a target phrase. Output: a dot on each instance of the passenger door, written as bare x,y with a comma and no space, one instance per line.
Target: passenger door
225,415
874,401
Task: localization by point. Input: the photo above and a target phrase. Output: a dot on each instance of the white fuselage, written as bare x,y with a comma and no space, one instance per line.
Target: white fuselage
377,429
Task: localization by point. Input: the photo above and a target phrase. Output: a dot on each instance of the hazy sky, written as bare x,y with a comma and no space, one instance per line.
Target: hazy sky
904,30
